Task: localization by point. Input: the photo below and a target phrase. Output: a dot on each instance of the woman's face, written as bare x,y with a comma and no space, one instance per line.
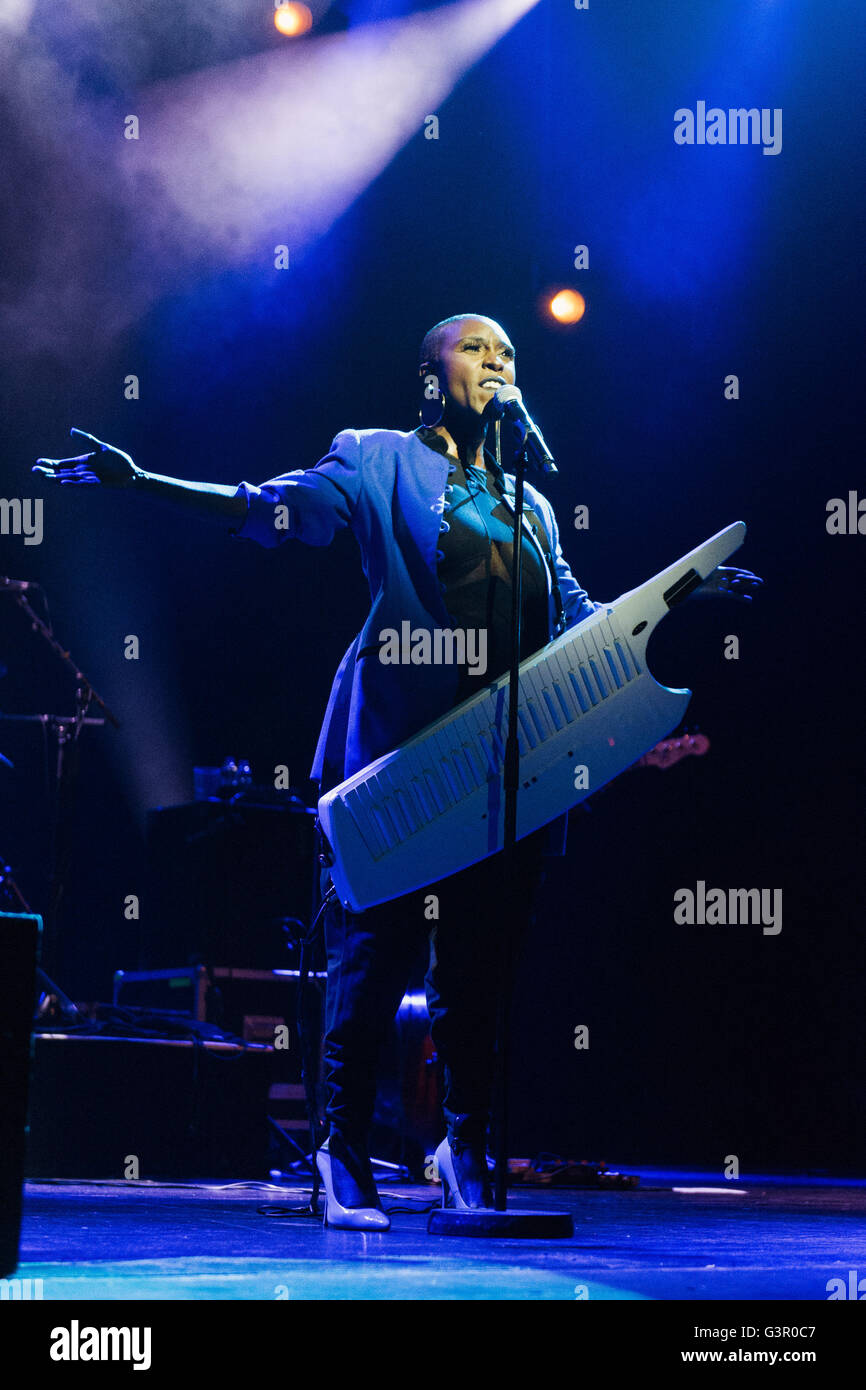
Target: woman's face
475,359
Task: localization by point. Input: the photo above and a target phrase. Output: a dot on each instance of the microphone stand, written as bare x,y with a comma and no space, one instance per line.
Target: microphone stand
512,783
498,1221
66,730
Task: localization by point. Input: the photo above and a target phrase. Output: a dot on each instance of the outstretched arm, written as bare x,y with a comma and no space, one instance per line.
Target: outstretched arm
307,504
113,468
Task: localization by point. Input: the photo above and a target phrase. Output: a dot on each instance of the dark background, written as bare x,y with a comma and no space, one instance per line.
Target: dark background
704,1041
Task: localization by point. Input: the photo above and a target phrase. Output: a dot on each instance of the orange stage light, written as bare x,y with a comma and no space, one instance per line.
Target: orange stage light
567,306
292,19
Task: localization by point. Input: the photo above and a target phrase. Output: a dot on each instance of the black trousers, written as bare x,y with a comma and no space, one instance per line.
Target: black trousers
468,919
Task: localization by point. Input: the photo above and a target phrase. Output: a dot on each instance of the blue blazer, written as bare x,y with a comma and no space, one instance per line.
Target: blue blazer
389,488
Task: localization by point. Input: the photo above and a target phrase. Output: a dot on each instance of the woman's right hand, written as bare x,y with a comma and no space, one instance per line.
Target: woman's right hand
105,464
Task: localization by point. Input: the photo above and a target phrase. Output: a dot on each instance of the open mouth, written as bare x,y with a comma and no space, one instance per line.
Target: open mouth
491,383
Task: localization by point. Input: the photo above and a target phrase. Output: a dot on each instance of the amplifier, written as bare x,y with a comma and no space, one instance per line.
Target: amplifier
225,879
109,1107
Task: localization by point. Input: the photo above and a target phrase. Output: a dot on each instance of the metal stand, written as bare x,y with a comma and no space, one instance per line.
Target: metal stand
497,1221
66,730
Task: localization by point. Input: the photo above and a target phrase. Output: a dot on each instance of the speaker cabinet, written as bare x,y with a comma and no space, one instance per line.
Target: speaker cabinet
19,950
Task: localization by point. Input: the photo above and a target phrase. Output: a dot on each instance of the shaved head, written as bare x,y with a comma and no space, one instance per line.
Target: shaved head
432,344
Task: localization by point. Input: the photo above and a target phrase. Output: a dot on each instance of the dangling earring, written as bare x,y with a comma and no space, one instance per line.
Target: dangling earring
432,403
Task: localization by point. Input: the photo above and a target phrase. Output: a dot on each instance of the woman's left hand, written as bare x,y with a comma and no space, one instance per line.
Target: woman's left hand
727,582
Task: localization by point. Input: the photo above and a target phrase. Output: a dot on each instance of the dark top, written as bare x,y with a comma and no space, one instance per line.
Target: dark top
474,566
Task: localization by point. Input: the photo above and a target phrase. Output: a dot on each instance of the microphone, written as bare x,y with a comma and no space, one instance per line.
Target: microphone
508,402
16,586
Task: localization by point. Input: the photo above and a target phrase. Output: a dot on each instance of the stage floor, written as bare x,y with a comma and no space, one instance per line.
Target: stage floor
762,1237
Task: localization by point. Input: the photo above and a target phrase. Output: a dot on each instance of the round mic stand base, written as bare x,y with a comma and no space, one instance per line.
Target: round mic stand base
528,1224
